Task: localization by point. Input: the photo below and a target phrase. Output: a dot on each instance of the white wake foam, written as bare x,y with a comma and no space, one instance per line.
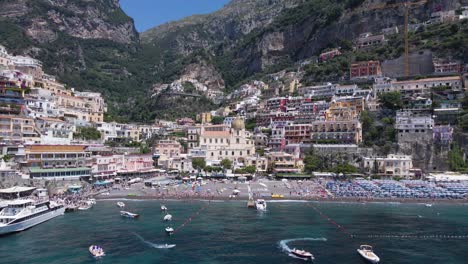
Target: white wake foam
154,245
284,243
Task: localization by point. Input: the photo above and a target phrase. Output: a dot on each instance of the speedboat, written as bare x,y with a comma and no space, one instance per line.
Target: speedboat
428,205
128,214
261,205
167,217
163,208
121,204
368,254
85,207
96,251
302,254
169,230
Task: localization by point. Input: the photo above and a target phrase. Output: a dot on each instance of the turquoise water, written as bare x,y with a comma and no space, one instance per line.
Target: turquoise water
228,232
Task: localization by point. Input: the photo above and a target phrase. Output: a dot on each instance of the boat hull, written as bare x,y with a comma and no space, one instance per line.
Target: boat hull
31,222
373,260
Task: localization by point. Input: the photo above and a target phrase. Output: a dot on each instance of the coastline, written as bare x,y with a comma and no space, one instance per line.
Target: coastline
284,200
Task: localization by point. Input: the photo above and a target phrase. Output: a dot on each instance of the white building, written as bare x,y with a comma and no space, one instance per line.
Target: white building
220,142
392,165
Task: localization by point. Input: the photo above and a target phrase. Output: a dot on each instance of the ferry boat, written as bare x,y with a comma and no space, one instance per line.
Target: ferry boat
368,254
22,214
261,205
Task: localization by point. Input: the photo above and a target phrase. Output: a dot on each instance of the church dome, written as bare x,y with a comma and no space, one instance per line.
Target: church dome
238,124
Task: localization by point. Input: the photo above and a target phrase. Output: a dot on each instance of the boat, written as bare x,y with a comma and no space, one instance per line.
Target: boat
251,203
368,254
167,246
128,214
428,205
163,208
92,201
96,251
21,214
260,205
120,204
169,230
167,217
85,206
302,254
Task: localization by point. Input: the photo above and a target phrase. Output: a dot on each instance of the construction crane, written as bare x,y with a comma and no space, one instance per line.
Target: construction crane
407,6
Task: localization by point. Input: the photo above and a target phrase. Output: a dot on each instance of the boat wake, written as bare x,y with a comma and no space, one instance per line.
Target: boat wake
154,245
284,243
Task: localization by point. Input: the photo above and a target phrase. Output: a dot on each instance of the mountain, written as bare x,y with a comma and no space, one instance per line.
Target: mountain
88,44
248,36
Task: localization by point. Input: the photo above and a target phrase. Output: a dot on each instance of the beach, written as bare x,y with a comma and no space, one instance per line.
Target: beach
309,190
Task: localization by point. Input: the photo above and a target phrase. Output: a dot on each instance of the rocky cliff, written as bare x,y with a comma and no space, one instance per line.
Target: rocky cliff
88,44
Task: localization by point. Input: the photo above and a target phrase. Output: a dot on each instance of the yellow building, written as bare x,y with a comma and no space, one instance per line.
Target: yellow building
204,117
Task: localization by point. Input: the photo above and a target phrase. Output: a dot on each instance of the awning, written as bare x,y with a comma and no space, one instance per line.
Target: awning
17,189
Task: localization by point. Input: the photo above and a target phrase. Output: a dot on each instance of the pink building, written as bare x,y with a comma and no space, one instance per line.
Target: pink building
138,163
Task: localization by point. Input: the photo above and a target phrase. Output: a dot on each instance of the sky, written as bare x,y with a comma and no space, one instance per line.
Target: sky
150,13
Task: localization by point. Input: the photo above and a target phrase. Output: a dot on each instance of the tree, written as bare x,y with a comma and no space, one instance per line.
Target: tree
226,164
217,120
250,169
88,133
345,168
391,100
251,124
455,158
198,163
312,162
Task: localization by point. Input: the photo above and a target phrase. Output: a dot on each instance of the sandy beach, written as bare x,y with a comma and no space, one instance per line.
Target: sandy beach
264,189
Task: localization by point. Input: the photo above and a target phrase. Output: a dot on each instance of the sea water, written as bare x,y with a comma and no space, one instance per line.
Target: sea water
228,232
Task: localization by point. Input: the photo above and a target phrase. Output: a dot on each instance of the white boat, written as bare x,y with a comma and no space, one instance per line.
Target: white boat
20,214
96,251
121,204
167,246
85,206
302,254
428,205
92,201
169,230
128,214
167,217
260,205
163,208
368,254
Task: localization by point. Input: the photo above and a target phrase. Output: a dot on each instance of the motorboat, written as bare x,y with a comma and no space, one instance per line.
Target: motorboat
260,205
96,251
163,208
85,206
368,254
128,214
167,217
167,246
121,204
21,214
92,201
302,254
169,230
428,205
